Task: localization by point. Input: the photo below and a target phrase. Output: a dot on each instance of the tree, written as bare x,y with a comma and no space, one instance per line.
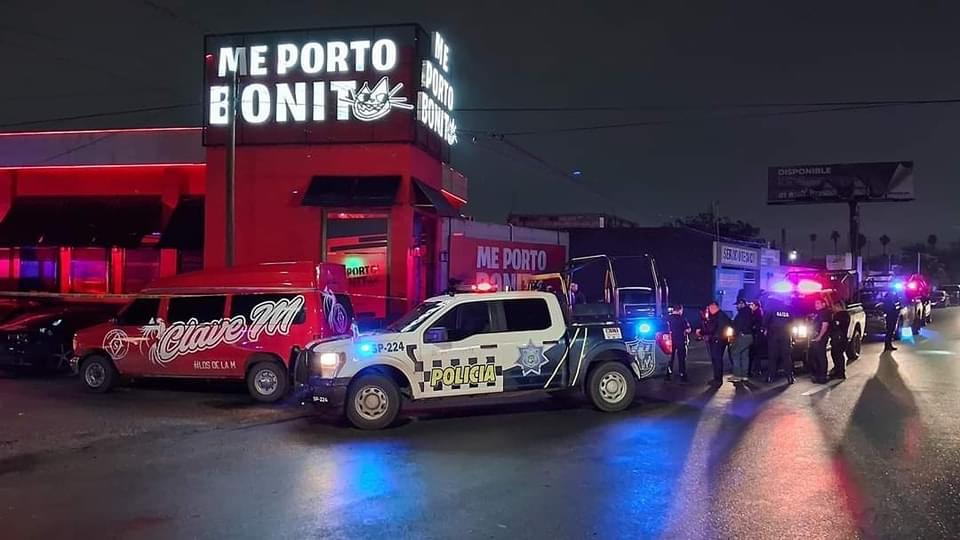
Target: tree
861,241
835,236
737,230
813,245
884,241
932,242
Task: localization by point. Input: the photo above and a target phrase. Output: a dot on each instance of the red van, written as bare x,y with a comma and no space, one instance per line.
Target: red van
239,323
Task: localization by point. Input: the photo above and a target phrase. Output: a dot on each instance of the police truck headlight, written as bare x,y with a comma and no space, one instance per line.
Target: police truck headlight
328,364
800,331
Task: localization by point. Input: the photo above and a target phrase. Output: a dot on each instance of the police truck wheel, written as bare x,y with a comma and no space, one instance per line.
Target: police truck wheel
373,401
611,387
98,374
267,382
853,350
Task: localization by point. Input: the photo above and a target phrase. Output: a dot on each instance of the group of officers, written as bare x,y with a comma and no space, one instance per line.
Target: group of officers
742,338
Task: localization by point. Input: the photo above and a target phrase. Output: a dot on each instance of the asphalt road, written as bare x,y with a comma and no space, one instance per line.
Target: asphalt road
875,456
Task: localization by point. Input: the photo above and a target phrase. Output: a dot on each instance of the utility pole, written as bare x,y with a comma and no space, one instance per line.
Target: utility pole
231,153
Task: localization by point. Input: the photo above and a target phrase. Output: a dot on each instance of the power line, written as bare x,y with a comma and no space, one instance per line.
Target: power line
716,106
648,123
124,112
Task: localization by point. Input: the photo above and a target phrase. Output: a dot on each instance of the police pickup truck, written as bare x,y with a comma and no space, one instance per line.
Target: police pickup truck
797,296
486,343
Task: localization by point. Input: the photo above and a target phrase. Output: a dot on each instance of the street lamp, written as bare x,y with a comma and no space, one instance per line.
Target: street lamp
792,255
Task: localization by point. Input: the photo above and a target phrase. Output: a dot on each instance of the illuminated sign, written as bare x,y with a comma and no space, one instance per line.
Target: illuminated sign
435,99
371,84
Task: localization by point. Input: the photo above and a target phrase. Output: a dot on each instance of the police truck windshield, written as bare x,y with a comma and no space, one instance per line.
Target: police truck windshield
415,318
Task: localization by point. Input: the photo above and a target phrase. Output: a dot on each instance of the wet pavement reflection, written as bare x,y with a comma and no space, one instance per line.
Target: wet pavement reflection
874,456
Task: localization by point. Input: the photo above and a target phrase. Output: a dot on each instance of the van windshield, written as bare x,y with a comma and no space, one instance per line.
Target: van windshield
415,318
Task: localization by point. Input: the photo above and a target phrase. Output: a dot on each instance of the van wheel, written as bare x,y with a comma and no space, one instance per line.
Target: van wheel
267,382
853,351
611,387
373,401
98,374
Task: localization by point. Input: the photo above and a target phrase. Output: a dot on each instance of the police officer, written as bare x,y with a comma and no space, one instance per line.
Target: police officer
891,312
839,326
743,325
818,344
776,327
715,330
759,341
679,329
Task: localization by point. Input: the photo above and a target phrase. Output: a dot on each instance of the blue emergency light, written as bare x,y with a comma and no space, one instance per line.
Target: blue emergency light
365,348
644,328
898,285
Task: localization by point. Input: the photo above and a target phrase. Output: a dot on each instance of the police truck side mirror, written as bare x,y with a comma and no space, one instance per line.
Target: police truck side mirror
437,334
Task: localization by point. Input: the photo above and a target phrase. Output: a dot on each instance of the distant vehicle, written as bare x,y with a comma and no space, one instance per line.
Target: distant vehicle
243,323
939,299
797,295
491,343
42,339
953,294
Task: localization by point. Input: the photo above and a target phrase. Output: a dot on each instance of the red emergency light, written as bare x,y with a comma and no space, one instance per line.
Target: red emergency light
913,285
483,287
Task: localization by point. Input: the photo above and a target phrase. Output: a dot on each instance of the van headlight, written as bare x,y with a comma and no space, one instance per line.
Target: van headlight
801,331
327,364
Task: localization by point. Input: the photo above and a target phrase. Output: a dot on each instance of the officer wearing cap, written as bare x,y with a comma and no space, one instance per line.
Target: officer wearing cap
776,327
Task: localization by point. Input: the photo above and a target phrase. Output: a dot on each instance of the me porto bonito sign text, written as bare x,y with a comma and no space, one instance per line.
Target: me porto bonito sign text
345,85
502,263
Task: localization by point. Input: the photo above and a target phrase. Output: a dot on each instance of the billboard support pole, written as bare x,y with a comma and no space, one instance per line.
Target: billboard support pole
854,230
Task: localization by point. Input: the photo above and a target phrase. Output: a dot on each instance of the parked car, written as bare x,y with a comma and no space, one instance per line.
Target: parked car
242,323
940,299
42,339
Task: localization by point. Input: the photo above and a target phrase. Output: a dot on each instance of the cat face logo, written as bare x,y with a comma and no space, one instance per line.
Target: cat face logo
373,104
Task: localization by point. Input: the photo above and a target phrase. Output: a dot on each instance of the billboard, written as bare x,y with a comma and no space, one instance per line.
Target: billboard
860,182
503,263
333,85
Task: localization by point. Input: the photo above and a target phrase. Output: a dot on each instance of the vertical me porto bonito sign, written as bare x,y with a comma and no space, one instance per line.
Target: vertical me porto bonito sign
373,84
502,263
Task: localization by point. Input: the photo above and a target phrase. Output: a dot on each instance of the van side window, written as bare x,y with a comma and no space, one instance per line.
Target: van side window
139,312
243,304
201,308
465,320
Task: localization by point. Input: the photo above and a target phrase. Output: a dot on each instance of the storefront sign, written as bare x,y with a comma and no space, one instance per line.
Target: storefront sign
375,84
738,256
502,263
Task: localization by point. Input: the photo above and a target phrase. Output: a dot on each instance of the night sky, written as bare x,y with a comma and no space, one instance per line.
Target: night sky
674,64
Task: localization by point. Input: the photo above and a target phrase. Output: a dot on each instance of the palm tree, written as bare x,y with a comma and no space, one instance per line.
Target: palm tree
835,236
884,240
932,241
813,245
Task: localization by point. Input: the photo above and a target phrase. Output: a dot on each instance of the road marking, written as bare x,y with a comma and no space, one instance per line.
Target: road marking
827,386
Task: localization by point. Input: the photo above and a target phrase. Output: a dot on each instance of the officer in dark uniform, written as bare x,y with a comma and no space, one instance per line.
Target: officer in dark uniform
759,343
839,328
679,329
891,312
715,332
776,327
818,343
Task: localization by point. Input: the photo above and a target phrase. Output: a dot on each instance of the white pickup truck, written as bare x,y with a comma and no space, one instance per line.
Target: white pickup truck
467,344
